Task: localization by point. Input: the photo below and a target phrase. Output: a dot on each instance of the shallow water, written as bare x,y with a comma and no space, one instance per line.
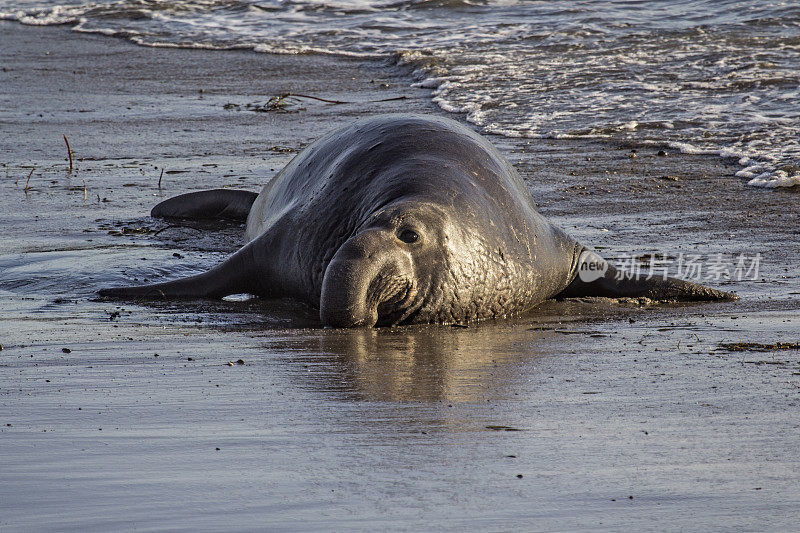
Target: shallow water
699,76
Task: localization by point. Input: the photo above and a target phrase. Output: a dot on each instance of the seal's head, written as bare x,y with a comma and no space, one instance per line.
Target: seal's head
393,265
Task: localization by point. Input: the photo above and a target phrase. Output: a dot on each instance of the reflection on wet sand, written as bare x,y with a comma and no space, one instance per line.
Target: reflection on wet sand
486,362
425,364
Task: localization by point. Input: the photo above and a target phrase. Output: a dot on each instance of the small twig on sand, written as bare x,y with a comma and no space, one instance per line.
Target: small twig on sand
159,178
29,179
287,102
295,95
340,101
84,190
69,152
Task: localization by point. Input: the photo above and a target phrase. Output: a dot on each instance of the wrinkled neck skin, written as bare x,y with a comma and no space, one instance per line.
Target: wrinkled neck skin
449,274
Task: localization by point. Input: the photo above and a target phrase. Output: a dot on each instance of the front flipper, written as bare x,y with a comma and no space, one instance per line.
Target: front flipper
215,204
596,277
236,275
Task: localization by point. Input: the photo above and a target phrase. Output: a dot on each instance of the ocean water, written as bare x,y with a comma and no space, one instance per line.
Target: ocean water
704,76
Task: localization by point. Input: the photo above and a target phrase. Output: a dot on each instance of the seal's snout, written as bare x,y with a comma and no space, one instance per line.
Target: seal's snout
343,302
363,283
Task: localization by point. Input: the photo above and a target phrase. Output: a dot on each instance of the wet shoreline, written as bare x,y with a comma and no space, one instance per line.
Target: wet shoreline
405,428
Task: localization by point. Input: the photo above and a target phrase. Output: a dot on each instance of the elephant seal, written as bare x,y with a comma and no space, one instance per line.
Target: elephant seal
400,219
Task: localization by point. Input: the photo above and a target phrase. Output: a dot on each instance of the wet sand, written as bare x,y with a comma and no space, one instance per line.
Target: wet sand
582,415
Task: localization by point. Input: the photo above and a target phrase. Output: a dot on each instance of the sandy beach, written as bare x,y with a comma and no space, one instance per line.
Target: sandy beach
582,415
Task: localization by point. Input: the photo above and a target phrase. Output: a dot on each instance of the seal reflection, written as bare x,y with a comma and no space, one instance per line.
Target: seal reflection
428,364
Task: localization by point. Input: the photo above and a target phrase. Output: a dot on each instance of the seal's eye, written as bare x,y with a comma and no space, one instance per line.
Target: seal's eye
408,235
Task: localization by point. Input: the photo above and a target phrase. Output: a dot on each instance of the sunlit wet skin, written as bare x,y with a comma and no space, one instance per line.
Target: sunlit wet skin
413,263
393,269
399,219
